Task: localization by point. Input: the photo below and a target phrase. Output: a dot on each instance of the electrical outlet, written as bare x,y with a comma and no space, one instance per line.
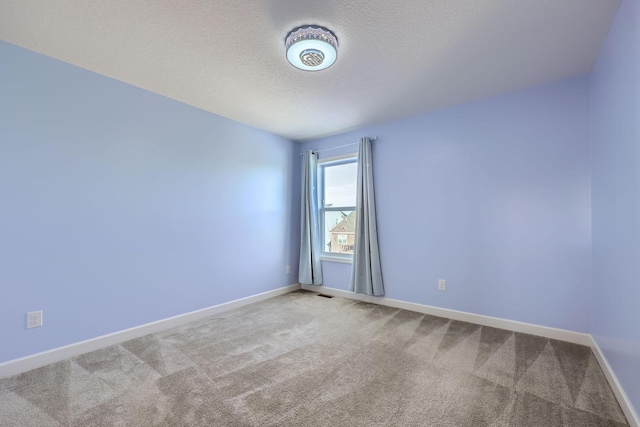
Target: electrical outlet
442,285
288,269
34,319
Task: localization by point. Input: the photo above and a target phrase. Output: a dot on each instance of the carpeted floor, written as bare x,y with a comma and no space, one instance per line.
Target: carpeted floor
304,360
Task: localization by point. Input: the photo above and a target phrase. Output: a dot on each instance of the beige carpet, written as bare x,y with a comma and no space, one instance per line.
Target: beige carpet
305,360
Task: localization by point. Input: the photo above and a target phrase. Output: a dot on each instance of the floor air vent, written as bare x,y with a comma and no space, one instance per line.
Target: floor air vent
325,296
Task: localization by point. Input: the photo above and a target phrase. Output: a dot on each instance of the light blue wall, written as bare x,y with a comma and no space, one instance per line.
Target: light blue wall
120,207
492,196
615,127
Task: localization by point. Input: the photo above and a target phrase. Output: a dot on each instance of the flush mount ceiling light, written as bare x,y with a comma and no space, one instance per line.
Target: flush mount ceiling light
311,48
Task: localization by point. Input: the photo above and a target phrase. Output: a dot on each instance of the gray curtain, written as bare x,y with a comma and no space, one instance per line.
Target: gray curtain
366,274
310,269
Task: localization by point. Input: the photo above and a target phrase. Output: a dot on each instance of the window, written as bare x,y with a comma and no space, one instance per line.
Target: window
337,179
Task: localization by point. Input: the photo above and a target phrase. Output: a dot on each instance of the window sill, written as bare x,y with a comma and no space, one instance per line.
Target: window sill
342,260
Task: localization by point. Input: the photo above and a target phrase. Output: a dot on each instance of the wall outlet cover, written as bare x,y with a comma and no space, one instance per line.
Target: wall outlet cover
34,319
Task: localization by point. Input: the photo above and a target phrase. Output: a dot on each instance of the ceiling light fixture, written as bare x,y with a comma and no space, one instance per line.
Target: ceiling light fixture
311,48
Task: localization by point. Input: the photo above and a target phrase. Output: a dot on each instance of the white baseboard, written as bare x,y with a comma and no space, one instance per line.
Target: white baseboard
23,364
510,325
623,399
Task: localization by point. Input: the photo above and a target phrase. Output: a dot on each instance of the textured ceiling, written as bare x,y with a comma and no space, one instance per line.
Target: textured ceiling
396,58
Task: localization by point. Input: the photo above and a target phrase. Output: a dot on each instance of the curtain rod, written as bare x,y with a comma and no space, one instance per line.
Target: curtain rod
375,138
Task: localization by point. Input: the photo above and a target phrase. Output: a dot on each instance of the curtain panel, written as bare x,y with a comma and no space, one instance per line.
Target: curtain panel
366,273
310,268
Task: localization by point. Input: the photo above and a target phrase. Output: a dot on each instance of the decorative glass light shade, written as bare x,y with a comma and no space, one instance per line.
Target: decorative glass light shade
311,48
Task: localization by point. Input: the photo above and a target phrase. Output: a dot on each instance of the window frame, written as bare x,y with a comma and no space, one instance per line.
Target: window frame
322,209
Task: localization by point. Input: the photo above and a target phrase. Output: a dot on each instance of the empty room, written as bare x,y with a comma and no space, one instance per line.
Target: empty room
333,213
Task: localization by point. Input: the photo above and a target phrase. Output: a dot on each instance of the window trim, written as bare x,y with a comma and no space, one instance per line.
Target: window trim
341,259
322,164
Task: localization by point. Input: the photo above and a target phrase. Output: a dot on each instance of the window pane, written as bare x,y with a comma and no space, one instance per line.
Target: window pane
339,232
340,185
